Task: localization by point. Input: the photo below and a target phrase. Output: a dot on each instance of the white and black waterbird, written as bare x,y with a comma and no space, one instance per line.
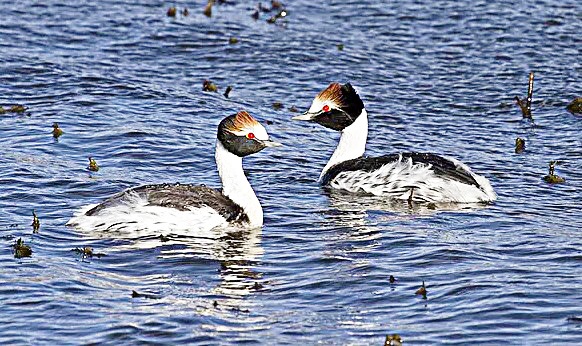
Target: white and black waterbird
418,177
169,207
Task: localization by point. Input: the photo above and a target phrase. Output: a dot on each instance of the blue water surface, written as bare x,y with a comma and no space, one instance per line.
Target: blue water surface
124,82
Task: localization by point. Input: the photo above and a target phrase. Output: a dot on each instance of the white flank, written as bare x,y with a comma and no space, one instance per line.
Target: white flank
135,218
398,178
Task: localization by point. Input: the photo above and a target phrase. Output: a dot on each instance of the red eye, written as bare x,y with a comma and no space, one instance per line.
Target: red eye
326,108
250,135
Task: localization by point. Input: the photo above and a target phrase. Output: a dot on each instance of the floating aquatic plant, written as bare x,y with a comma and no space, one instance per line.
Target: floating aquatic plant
575,107
393,340
421,291
93,166
525,105
552,178
88,252
208,85
35,222
208,8
135,294
519,145
21,249
57,132
227,91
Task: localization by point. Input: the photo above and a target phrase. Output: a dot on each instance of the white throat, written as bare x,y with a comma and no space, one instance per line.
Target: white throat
236,186
352,142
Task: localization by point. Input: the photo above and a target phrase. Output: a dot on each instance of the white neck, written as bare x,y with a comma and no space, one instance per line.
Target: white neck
352,142
236,186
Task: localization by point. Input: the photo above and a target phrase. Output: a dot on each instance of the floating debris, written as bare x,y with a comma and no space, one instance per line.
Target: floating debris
227,91
519,145
35,222
277,105
208,8
14,109
185,12
281,14
135,294
392,279
421,291
207,85
552,178
21,250
340,46
233,40
293,109
525,105
171,12
393,340
88,252
575,107
57,132
93,166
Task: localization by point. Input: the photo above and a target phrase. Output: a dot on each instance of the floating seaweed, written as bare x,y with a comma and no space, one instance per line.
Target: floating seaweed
135,294
552,178
35,222
575,107
21,250
88,252
525,105
93,166
57,132
208,85
14,109
280,14
208,8
393,340
421,291
519,145
171,12
227,91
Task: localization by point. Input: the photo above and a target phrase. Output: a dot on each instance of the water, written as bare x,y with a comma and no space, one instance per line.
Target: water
124,82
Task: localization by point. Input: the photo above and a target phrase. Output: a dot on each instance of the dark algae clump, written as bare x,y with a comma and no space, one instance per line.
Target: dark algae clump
552,178
21,249
575,107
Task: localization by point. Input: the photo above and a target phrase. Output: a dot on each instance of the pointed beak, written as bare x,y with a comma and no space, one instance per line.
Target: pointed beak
305,116
270,143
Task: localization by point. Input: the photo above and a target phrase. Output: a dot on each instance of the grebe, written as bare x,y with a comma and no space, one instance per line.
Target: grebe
168,207
418,177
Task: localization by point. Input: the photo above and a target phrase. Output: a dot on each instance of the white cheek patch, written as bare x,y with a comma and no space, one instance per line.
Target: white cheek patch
257,129
318,104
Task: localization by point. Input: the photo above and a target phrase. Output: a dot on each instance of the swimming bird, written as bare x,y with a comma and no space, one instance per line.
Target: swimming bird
418,177
167,207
